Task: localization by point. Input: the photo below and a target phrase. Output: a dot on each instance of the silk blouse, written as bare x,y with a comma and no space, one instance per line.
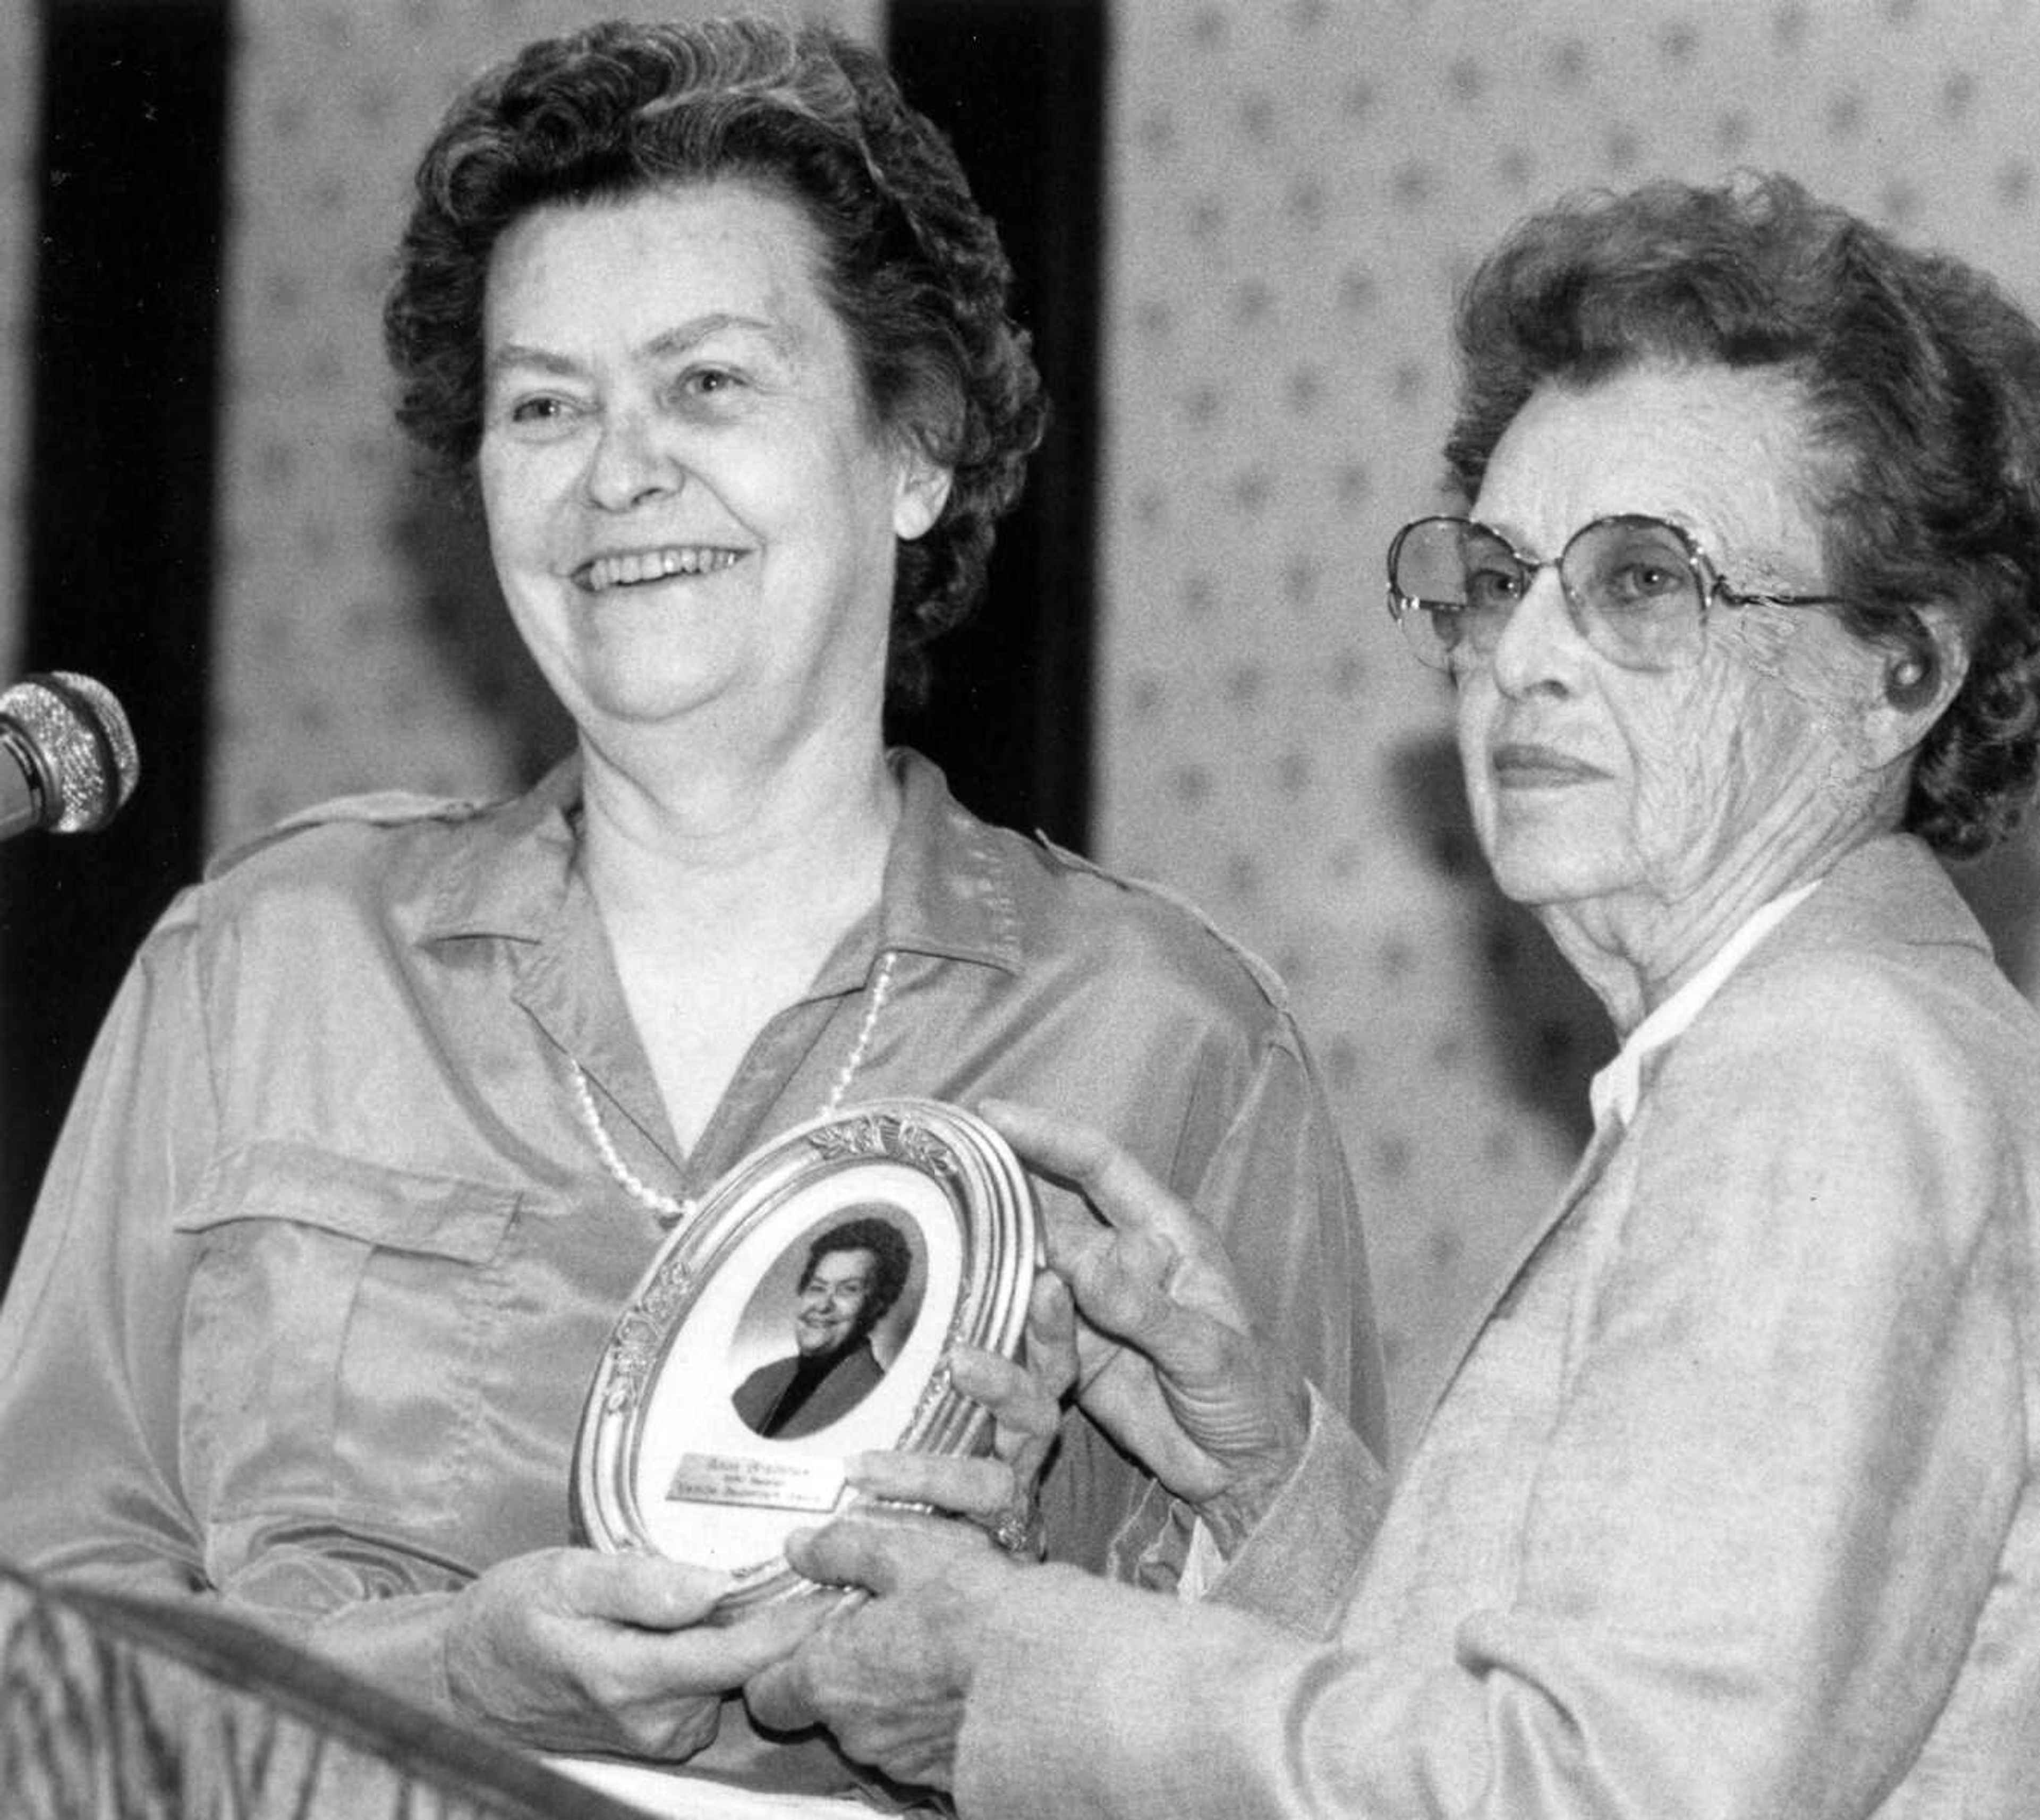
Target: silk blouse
325,1257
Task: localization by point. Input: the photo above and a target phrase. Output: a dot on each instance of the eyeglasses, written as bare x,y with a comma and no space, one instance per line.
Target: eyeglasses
1637,589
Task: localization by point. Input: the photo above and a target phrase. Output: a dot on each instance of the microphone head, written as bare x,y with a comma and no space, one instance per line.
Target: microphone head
82,735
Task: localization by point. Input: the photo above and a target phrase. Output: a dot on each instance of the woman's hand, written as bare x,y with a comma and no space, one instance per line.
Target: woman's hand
889,1678
890,1685
1169,1367
574,1650
996,1489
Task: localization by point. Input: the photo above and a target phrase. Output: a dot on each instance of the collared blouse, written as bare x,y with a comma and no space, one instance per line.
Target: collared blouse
325,1257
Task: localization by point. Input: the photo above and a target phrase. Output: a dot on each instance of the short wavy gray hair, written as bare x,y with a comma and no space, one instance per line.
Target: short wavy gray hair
1924,383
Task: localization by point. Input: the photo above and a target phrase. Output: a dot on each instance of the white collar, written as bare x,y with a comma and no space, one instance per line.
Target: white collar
1613,1093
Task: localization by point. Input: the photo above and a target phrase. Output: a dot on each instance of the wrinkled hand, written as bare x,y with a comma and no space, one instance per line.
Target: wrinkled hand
889,1678
1170,1367
996,1489
574,1650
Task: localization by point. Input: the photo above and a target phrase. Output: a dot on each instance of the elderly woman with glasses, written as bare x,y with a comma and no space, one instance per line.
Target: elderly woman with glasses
1731,1504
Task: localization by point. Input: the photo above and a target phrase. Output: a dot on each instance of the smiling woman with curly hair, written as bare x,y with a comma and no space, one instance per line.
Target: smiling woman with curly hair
396,1106
913,270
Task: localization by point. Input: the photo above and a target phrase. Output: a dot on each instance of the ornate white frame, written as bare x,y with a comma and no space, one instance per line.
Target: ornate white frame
663,1464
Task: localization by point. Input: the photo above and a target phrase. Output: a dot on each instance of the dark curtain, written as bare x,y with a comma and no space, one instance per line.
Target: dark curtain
1019,86
119,513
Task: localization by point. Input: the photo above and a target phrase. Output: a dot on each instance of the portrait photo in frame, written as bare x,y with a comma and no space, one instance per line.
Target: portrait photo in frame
828,1320
804,1314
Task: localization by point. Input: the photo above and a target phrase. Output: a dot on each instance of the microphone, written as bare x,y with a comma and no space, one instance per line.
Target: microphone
72,753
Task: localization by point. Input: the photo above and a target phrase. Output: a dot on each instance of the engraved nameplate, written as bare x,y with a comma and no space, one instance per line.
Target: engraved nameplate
772,1484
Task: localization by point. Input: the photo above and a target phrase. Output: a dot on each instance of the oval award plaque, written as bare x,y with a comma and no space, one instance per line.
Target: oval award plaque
804,1314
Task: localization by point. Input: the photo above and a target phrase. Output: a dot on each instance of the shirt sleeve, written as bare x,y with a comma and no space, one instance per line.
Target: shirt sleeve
90,1336
1276,1191
1785,1465
92,1345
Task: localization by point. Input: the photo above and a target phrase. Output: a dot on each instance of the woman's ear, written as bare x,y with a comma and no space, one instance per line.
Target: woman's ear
921,492
1915,693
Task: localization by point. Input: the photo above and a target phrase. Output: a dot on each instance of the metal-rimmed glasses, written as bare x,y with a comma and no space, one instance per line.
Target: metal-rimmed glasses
1638,588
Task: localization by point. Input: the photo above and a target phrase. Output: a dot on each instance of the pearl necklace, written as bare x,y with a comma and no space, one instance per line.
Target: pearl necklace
671,1211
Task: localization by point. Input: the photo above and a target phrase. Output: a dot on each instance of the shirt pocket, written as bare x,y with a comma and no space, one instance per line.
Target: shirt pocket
334,1336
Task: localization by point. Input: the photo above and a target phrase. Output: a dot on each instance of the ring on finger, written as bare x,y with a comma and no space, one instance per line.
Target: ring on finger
1020,1531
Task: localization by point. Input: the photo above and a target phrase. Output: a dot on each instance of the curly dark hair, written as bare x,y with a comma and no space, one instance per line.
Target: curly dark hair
893,1259
1921,381
913,267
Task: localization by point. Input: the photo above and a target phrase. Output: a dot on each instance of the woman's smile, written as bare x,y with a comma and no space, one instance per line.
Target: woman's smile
633,568
670,399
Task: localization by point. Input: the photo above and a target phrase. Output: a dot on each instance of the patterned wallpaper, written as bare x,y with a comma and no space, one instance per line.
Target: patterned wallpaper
1295,186
19,42
361,643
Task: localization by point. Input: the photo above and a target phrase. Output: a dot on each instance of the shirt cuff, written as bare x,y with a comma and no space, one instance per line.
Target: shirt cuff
397,1643
1315,1534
